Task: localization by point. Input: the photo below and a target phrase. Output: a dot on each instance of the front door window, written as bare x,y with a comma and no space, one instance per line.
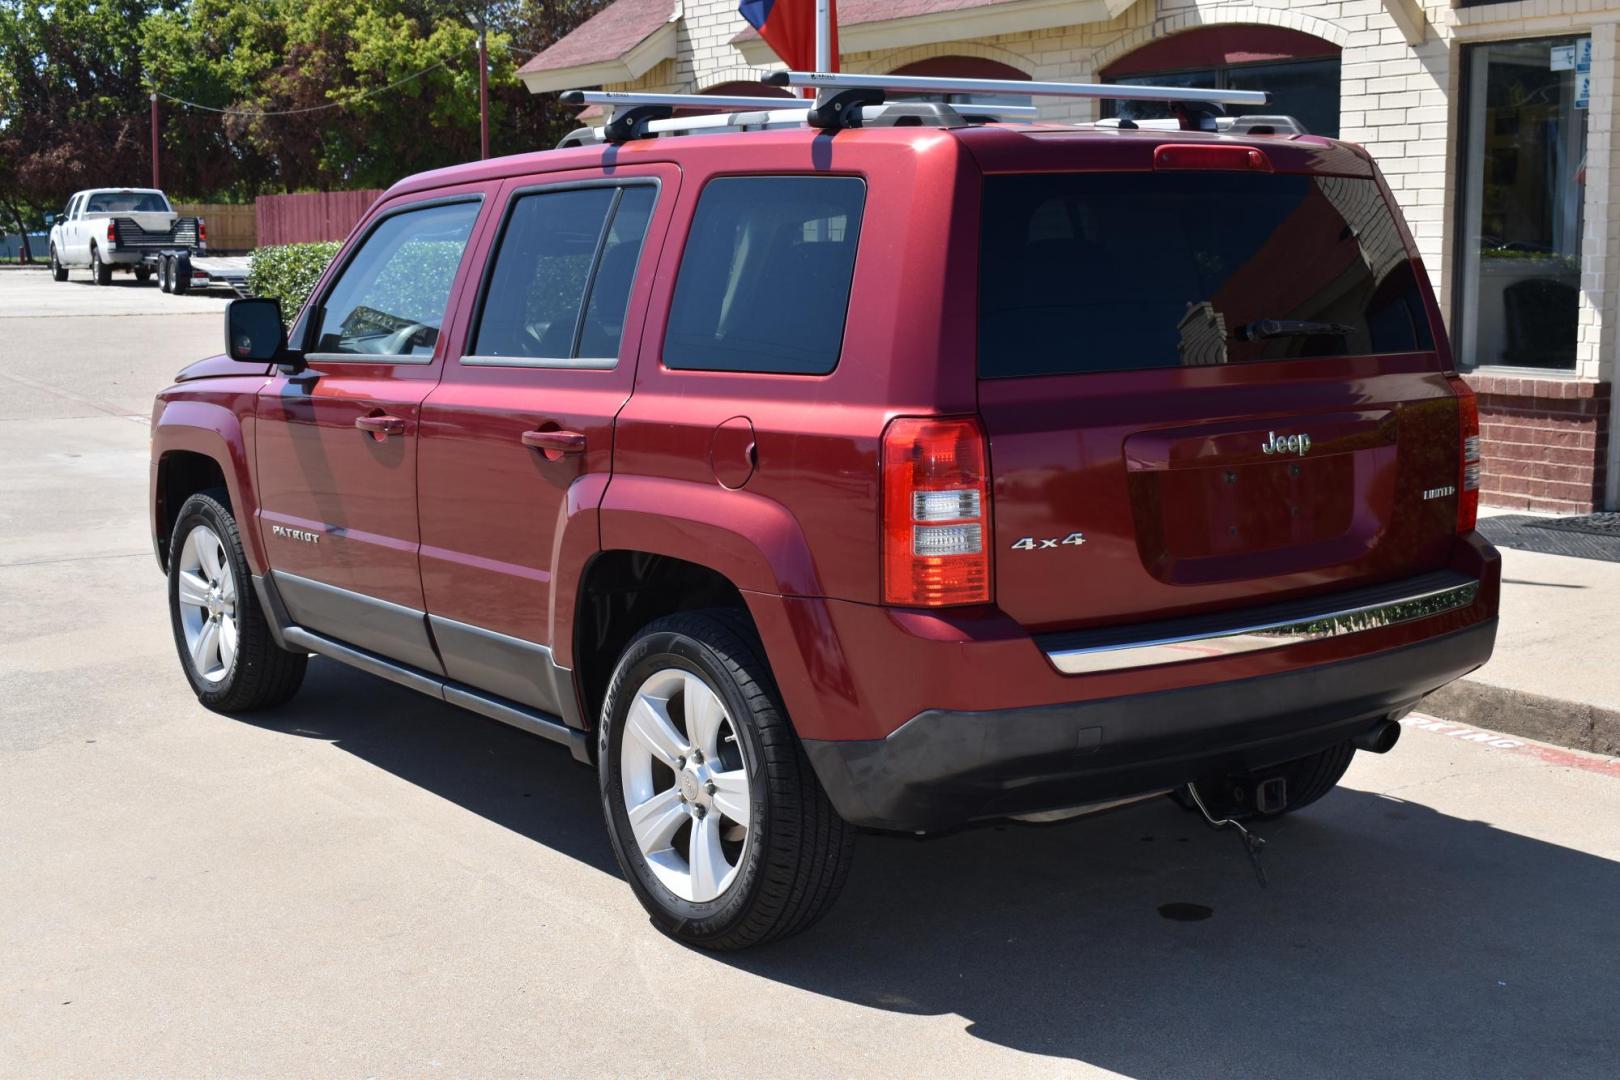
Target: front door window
1524,173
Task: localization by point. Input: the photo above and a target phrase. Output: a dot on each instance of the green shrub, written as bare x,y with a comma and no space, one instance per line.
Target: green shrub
288,273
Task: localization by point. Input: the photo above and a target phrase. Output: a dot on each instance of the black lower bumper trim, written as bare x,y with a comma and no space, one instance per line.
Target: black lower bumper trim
944,768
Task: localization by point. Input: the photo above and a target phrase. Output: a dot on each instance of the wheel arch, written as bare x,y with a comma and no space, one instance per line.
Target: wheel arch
623,590
197,446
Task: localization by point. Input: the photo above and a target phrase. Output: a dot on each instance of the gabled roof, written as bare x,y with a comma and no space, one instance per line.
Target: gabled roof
618,44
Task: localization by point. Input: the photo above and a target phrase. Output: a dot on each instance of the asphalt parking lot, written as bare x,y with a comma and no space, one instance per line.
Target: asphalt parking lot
366,882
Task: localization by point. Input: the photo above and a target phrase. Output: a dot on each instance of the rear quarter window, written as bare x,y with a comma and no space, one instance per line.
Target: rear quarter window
1087,272
764,280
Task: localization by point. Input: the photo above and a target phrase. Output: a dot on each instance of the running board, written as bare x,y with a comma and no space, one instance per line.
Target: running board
452,693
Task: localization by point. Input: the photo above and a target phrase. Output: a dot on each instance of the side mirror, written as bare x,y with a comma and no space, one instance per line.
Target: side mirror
254,334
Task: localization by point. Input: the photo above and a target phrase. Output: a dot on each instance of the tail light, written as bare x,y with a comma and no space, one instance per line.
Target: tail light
1469,456
202,232
936,513
112,230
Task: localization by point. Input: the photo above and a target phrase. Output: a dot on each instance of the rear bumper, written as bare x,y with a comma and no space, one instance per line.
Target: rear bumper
943,768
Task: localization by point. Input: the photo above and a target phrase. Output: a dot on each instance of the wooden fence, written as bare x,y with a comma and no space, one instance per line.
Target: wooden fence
231,227
309,216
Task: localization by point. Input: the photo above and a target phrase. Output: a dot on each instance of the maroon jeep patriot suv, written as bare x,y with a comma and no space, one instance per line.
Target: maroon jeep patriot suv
896,475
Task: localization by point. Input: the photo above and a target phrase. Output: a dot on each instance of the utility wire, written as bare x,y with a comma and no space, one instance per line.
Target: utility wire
308,108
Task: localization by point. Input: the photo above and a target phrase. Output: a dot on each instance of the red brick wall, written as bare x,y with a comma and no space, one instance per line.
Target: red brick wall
1545,442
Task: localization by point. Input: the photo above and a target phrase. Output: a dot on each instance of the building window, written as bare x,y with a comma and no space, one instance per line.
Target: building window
1523,177
1300,71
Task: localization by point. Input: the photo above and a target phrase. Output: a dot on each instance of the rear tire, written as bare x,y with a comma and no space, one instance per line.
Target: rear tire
180,275
58,271
100,272
226,649
694,680
1310,778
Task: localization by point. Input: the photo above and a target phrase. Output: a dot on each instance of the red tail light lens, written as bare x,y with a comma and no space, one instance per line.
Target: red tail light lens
1469,455
936,513
202,231
112,230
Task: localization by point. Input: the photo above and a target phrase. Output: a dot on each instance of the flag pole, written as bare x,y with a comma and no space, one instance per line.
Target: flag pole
823,35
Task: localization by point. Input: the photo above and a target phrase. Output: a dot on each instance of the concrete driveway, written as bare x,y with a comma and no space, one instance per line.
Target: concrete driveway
367,882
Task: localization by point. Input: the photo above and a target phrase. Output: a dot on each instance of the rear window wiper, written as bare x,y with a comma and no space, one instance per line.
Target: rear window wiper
1275,328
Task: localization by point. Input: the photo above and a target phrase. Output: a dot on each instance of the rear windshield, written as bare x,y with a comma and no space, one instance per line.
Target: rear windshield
1084,272
135,202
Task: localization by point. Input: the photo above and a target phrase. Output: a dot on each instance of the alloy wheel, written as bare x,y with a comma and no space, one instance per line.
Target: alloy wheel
206,591
685,785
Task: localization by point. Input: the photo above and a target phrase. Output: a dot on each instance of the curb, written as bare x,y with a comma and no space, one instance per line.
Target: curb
1567,723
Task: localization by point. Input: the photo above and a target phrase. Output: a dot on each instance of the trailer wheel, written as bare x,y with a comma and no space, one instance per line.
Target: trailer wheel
180,274
165,274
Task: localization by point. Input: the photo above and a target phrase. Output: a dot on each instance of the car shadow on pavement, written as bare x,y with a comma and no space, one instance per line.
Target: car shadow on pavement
1393,940
514,779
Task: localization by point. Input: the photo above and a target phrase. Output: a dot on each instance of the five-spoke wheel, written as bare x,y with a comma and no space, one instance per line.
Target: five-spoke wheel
207,599
685,785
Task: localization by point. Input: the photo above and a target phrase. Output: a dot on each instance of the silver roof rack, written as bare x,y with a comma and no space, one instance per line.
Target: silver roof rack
1195,107
929,84
644,115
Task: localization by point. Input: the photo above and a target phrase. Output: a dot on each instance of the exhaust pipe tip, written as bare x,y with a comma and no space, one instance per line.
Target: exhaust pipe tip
1380,739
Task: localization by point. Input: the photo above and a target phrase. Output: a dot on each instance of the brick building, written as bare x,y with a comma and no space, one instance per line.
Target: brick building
1494,122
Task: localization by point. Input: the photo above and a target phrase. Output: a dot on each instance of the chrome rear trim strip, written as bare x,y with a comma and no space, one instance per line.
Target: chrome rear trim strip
1269,635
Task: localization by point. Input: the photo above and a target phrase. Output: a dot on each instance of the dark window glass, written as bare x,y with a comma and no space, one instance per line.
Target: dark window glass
133,202
615,274
390,298
543,274
1307,90
764,282
1086,272
1523,186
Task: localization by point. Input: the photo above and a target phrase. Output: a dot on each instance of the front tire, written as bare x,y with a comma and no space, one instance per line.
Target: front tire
100,272
58,271
715,815
226,648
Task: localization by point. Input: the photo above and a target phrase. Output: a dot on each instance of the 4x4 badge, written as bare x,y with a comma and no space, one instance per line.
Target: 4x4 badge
1032,543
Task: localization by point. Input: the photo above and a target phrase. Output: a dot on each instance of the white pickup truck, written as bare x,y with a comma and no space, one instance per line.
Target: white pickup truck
104,229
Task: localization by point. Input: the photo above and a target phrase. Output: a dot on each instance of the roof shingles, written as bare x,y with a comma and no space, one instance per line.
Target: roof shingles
607,35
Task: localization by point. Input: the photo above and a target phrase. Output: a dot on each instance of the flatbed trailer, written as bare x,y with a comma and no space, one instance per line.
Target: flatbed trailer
179,256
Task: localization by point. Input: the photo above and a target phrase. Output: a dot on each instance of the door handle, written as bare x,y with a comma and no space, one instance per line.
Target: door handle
380,425
555,442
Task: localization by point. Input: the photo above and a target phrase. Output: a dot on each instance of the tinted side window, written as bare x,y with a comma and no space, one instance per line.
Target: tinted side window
543,276
764,281
391,297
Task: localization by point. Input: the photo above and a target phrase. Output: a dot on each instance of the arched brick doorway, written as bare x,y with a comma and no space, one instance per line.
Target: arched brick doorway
1300,70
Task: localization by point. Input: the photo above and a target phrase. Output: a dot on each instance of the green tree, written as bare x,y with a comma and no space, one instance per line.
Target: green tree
73,106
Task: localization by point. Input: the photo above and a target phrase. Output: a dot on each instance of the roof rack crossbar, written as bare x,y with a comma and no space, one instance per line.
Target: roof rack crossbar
928,84
682,101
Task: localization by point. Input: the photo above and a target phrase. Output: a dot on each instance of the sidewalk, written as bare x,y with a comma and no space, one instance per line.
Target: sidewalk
1555,675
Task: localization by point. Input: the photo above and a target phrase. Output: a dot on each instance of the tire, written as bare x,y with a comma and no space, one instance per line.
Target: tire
1310,778
143,274
180,275
100,272
58,271
790,858
254,674
165,274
